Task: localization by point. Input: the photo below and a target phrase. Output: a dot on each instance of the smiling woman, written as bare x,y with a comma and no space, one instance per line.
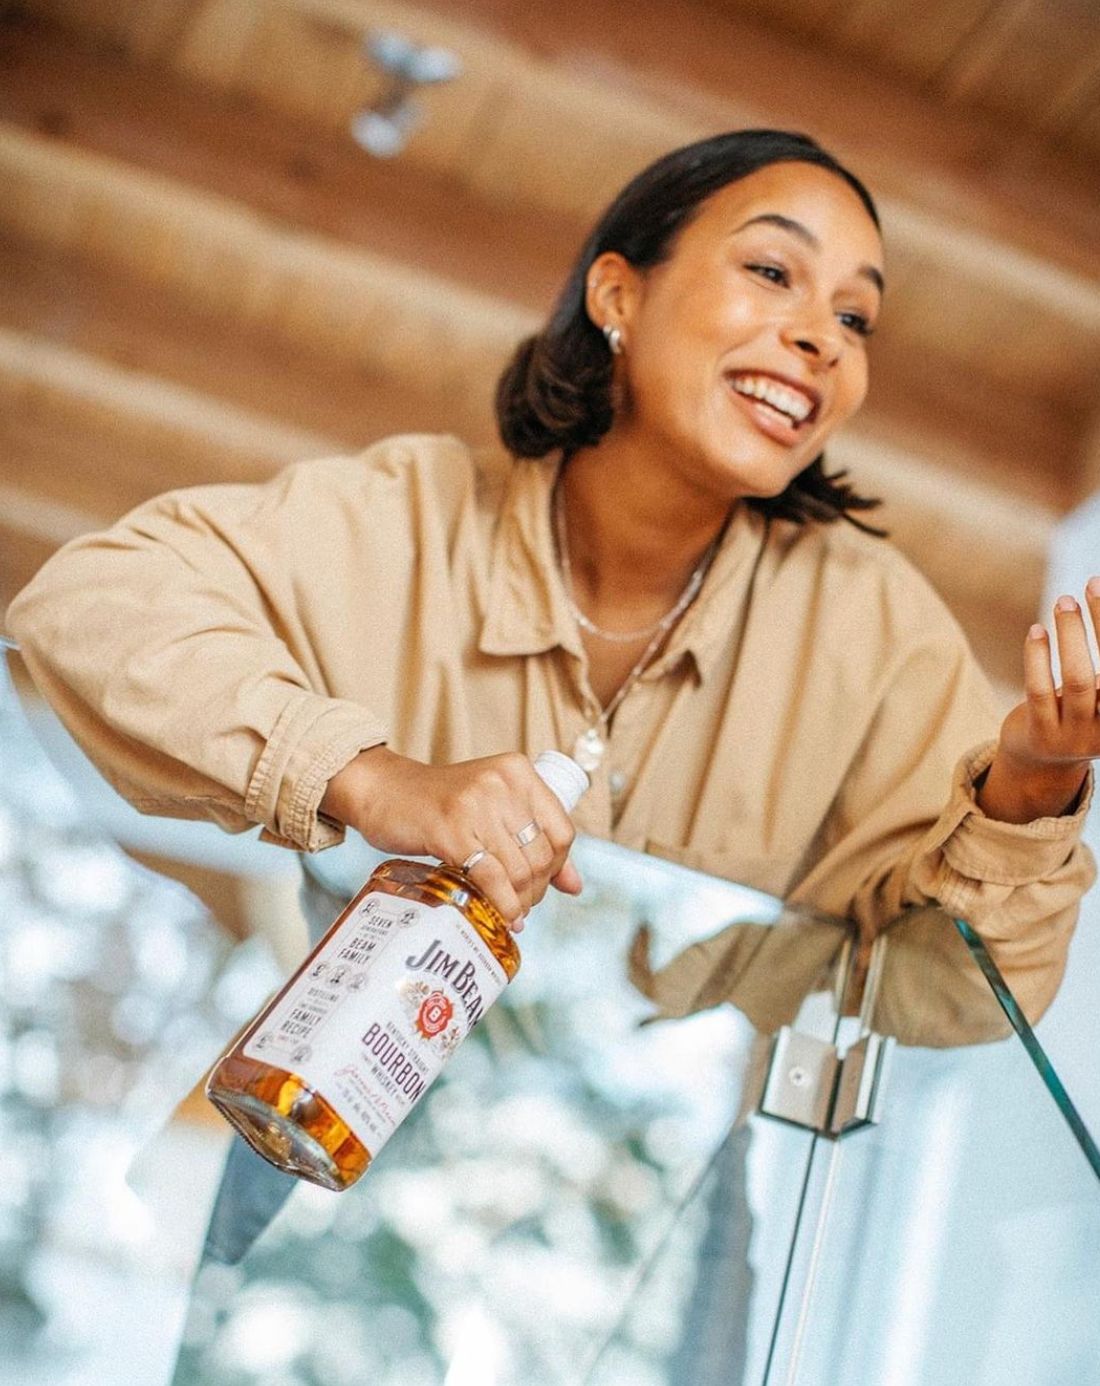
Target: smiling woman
557,394
656,572
745,348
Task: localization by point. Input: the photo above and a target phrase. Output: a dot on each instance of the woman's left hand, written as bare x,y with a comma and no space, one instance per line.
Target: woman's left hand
1048,740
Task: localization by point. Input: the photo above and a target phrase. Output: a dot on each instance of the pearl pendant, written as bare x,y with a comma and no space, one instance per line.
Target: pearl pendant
588,749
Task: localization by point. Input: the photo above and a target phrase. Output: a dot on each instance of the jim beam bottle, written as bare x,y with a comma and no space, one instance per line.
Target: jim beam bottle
329,1069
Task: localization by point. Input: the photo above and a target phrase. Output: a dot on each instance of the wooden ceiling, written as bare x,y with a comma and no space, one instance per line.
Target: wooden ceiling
202,276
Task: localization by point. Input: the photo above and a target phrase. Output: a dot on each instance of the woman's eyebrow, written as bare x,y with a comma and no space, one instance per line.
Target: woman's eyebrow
796,228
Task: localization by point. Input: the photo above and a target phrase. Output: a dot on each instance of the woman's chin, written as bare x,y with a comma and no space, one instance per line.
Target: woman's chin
762,481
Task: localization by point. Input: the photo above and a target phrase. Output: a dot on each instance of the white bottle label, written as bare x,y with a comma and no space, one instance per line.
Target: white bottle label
385,1002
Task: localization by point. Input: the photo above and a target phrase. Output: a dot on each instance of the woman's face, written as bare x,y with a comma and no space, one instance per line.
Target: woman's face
747,346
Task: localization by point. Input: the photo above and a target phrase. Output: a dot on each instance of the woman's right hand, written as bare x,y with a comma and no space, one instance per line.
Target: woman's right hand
405,807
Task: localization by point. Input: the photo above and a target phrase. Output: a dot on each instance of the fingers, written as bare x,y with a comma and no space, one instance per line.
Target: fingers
568,880
1039,680
520,872
502,806
494,881
1078,673
1092,598
557,834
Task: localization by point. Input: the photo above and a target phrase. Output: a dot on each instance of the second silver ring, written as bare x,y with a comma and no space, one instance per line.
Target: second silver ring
527,834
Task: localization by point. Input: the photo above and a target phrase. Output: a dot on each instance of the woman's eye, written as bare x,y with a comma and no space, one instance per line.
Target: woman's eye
773,273
856,322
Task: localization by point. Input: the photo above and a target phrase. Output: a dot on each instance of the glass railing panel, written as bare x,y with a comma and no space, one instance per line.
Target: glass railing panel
589,1196
565,1168
956,1240
1037,1052
115,986
556,1210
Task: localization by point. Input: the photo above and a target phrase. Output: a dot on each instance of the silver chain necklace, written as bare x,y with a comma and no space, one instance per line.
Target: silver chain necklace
625,637
591,745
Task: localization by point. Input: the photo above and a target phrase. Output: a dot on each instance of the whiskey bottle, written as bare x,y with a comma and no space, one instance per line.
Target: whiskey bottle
323,1076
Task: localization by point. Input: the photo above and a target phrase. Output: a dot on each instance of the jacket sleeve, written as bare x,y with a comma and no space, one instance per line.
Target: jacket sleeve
906,830
180,650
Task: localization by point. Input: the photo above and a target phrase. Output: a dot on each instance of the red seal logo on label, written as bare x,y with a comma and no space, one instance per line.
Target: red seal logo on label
434,1014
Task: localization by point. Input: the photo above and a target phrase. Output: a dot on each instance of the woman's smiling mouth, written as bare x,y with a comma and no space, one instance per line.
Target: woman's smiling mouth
778,407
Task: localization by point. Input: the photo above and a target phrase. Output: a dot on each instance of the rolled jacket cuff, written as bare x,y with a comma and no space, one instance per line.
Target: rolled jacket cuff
1010,854
313,739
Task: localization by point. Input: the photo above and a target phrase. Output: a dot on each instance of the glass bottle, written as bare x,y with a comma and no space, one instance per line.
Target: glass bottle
332,1065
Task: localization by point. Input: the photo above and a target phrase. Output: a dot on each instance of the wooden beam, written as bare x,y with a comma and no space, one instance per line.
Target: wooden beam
932,404
965,167
281,165
121,436
32,528
30,365
122,319
938,404
332,298
983,550
962,362
1089,479
592,83
947,503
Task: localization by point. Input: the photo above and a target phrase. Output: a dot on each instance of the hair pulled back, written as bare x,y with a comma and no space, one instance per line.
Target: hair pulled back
555,394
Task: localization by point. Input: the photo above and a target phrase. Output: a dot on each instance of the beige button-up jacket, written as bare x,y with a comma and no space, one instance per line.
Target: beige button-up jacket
813,728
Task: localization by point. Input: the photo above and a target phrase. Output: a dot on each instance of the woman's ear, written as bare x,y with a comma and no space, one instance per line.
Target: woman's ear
610,290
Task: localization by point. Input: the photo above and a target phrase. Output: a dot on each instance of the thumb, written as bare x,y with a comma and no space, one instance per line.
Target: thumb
568,880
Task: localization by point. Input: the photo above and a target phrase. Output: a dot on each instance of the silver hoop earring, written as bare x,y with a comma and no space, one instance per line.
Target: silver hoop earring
614,337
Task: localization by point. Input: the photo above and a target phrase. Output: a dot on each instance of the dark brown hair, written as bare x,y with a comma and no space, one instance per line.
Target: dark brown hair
555,393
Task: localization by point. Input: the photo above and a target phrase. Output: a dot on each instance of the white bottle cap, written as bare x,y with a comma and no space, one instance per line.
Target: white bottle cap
563,775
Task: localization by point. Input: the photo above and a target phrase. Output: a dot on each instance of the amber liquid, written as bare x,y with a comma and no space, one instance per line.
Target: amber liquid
283,1119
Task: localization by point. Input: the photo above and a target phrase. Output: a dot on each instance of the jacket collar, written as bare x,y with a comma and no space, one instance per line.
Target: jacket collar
527,611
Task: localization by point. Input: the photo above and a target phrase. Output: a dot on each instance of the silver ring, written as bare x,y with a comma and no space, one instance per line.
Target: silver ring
472,860
527,833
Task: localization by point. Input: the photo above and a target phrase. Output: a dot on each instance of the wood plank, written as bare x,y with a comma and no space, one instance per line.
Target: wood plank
941,410
123,320
810,20
1028,61
298,61
965,167
280,166
910,41
32,528
953,296
100,439
934,404
1089,478
914,42
1082,131
382,314
130,115
216,36
983,552
938,517
703,67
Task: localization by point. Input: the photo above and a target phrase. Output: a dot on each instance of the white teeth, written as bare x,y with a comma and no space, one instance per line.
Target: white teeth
796,406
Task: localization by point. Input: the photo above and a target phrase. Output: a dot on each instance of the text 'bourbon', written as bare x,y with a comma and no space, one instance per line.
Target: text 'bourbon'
329,1069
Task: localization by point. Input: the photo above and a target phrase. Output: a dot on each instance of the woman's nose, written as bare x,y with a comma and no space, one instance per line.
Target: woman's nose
820,343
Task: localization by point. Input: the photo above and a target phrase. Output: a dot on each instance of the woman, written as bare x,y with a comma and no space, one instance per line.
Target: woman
660,576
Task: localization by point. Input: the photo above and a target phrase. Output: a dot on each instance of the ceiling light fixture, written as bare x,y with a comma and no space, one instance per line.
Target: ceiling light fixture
383,129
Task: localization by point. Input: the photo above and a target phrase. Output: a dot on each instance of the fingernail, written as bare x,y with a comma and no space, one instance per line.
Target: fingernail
1092,587
517,927
1036,633
1066,604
